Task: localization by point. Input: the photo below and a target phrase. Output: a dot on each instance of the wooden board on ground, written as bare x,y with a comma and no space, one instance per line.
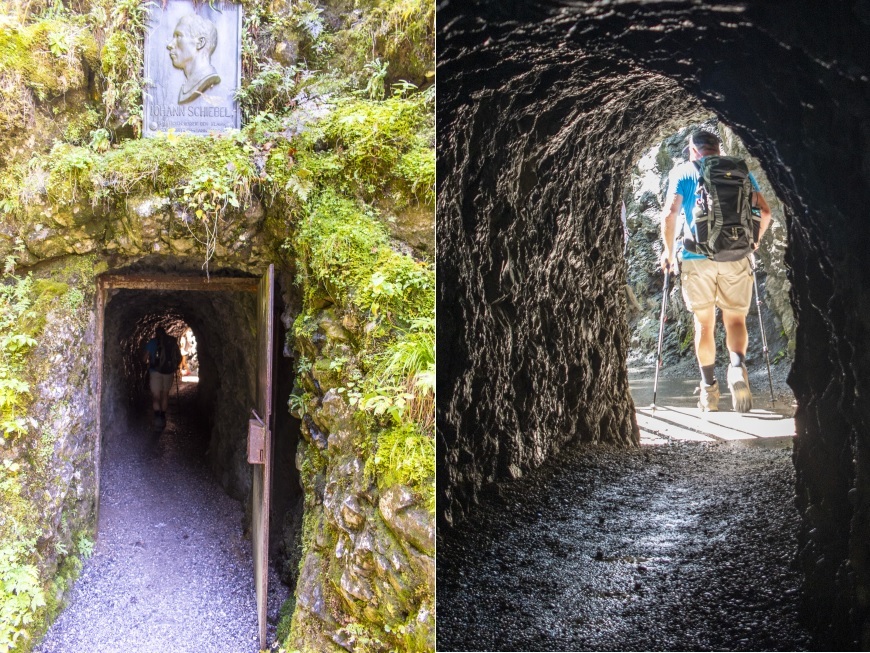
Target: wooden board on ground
691,424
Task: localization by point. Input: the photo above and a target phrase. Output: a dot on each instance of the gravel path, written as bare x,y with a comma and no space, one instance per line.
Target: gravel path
679,547
171,570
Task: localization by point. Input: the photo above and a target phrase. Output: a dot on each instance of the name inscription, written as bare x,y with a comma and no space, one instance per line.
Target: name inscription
169,111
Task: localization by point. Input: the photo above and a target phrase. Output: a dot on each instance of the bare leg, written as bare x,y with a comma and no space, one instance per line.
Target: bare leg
705,328
155,391
736,336
738,379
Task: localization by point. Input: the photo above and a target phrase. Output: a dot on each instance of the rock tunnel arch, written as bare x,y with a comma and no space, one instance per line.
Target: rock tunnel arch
542,107
225,326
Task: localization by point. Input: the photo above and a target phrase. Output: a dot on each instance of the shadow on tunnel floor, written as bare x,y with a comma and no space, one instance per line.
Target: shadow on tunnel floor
685,547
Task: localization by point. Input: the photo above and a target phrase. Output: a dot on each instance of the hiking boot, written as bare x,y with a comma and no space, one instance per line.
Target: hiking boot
709,400
738,384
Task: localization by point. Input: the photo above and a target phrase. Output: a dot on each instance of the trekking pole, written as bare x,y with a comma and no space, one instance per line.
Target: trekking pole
761,326
661,335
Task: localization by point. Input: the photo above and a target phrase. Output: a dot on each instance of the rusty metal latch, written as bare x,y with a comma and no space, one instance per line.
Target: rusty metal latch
256,440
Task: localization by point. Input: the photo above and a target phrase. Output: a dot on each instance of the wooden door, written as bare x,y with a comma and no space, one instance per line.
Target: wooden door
260,445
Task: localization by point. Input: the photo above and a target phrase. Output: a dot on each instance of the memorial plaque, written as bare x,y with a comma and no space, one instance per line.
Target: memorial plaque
192,67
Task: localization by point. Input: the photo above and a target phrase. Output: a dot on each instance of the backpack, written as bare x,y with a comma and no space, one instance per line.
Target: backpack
723,221
168,355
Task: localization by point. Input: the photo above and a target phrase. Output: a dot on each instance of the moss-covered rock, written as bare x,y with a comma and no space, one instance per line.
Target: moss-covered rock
48,471
374,537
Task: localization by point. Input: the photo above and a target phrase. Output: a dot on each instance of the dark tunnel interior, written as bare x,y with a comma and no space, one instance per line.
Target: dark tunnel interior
224,324
543,108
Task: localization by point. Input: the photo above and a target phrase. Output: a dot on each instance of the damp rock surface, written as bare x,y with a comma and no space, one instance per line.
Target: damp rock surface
171,569
680,547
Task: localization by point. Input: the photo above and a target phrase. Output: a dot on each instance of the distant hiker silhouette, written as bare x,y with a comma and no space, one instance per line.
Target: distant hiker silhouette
163,359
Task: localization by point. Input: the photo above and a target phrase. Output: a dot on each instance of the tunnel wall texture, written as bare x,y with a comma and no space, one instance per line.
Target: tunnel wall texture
542,106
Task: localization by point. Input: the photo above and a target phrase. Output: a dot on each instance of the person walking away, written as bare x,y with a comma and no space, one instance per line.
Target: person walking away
163,359
706,283
186,344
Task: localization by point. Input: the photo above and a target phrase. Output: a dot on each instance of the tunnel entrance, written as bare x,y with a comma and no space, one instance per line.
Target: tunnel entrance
221,416
675,390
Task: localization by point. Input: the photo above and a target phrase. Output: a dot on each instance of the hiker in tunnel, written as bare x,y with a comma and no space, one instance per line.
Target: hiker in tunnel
725,216
164,357
187,345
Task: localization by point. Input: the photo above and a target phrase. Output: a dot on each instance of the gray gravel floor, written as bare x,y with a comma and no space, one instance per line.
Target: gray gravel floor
171,570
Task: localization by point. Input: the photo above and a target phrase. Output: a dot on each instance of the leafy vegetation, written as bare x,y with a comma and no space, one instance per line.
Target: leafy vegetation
345,257
40,63
123,24
47,54
374,151
27,593
15,300
399,33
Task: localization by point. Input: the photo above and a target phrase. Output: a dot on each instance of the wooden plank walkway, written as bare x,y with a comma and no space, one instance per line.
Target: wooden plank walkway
677,416
667,423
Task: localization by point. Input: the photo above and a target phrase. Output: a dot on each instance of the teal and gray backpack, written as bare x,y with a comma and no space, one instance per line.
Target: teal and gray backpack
724,224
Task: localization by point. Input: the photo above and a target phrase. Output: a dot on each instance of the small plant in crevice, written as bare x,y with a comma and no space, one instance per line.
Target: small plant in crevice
377,70
362,639
298,404
207,195
85,545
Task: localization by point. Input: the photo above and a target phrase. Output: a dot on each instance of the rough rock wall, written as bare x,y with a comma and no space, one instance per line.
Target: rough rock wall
790,79
49,479
372,555
531,322
138,226
65,413
367,577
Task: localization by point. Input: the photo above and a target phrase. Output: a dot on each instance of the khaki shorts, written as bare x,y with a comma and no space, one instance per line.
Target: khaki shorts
160,382
727,285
